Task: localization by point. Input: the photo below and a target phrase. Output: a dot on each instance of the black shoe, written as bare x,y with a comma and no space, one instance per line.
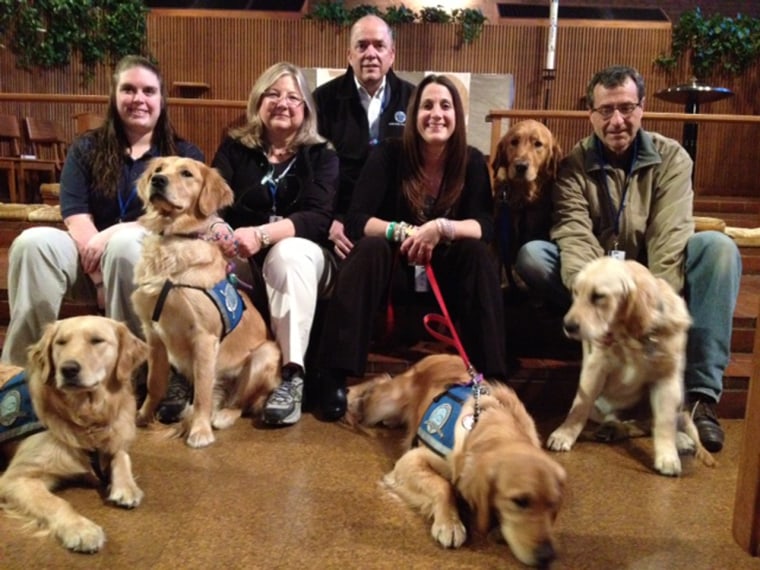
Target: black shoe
332,396
179,394
706,420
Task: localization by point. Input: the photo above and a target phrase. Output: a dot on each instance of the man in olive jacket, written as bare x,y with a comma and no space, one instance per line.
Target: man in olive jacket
627,192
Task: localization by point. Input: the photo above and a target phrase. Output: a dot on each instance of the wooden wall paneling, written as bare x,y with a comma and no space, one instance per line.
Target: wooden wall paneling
228,51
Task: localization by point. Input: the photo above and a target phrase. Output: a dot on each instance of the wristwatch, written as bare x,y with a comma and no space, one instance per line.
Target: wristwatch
264,238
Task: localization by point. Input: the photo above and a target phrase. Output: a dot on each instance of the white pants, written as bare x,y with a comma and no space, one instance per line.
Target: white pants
292,271
44,268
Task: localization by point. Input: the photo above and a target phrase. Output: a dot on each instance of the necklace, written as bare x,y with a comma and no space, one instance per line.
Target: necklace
279,154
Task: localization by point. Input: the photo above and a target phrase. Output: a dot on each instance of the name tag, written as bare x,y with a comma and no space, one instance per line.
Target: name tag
617,254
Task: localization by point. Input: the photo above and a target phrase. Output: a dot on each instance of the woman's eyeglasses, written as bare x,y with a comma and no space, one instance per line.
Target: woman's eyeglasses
625,109
289,99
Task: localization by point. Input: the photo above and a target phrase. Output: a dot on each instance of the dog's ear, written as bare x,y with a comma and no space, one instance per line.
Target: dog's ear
143,183
642,300
215,194
555,156
474,480
132,352
500,161
40,356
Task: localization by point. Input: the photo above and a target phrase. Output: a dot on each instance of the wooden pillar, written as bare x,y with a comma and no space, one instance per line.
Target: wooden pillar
746,527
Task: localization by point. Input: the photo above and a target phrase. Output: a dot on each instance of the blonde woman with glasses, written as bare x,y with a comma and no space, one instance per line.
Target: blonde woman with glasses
284,177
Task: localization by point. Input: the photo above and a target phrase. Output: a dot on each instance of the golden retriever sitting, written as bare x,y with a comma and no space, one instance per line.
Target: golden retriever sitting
233,367
633,327
80,384
495,461
524,167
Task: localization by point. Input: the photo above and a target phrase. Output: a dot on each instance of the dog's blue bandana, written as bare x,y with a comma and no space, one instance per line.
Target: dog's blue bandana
17,417
436,430
225,296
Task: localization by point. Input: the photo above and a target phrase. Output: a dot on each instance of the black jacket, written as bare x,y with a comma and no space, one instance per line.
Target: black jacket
342,120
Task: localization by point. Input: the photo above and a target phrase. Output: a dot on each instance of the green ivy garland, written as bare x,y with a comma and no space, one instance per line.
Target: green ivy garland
718,45
46,33
471,20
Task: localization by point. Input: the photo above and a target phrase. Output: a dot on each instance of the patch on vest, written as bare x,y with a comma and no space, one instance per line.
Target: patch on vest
436,430
229,302
17,417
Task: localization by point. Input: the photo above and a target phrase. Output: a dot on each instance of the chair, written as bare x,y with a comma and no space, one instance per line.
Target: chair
48,149
10,150
87,121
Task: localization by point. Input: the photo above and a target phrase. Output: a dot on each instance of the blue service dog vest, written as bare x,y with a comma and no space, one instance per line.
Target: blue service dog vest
17,417
224,295
436,430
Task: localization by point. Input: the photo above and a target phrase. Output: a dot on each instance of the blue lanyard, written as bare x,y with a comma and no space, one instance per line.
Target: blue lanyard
124,206
271,182
615,215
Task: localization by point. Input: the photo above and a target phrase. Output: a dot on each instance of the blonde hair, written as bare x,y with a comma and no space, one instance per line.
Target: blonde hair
253,133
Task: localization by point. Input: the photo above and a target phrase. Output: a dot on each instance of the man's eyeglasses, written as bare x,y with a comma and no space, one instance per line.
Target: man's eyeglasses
625,109
275,97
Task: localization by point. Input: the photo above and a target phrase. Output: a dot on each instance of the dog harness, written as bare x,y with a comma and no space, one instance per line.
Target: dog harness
17,416
225,296
436,430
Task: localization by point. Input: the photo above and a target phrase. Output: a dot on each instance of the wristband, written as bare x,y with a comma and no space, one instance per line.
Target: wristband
389,231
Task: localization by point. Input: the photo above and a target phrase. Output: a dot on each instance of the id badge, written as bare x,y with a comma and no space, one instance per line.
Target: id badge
617,254
274,218
421,284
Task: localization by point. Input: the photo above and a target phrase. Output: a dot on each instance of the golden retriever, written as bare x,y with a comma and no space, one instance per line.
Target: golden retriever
231,373
80,383
524,167
633,327
496,463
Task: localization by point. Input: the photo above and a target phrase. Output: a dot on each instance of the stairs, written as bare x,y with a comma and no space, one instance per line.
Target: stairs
548,365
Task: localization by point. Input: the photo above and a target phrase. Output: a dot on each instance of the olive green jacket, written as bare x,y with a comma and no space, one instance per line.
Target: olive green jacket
655,222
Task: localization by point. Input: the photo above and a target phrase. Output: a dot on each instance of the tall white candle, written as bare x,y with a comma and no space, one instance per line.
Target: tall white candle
551,49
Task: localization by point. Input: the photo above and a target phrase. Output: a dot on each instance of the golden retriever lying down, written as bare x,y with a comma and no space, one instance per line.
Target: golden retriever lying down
80,383
524,167
496,464
633,327
233,370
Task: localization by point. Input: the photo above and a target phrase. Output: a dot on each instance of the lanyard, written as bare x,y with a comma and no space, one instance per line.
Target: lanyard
124,205
602,162
373,140
272,182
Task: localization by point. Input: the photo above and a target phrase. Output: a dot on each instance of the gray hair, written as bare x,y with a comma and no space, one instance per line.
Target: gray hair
614,76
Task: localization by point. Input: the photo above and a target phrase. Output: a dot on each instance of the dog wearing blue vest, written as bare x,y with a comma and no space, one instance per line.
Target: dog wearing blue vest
193,316
70,417
478,444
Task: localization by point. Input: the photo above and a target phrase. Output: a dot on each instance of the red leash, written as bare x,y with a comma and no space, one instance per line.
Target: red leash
445,321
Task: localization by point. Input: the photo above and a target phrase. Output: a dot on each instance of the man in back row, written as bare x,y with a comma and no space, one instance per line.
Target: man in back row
360,108
627,192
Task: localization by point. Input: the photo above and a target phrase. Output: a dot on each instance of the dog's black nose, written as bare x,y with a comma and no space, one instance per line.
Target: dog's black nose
570,327
70,370
521,168
544,554
158,184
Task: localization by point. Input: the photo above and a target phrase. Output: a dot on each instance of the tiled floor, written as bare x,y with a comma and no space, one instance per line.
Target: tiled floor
308,497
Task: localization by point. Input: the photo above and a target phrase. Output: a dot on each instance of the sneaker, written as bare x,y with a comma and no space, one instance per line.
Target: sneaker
283,406
706,420
179,394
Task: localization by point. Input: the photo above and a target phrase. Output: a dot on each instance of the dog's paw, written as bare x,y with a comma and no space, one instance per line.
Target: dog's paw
684,444
449,534
225,418
81,535
668,464
128,496
143,418
200,436
560,440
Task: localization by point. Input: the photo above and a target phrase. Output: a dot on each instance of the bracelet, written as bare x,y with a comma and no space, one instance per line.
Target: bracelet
402,230
264,238
446,229
389,231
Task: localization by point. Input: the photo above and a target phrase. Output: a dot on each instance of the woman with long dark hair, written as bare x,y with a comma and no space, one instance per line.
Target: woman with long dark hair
423,199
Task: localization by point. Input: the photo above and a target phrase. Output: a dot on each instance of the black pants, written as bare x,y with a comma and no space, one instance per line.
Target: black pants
467,273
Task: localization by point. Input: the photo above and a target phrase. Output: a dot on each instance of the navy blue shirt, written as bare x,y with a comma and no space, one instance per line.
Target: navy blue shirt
78,196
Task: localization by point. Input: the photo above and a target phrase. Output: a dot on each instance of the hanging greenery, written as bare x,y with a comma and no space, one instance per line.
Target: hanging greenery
471,20
717,46
47,33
